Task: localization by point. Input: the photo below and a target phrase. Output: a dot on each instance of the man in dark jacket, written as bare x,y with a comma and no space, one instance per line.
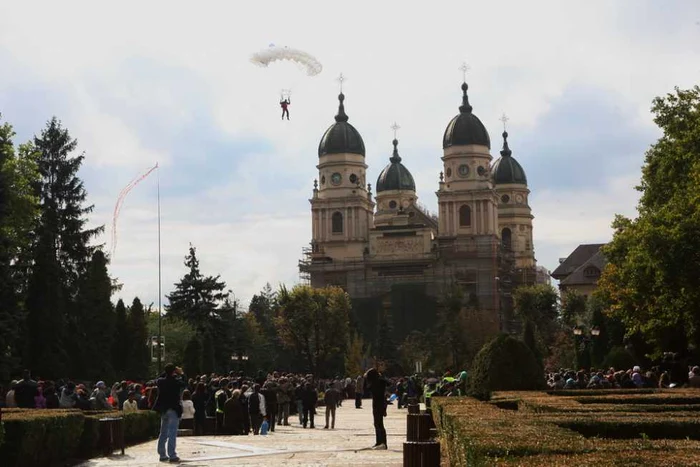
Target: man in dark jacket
331,398
309,397
377,386
169,404
25,391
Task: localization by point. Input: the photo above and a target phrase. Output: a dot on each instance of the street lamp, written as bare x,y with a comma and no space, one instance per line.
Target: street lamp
595,332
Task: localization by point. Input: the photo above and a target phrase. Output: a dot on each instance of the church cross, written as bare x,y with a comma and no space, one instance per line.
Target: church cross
340,80
396,128
465,68
504,118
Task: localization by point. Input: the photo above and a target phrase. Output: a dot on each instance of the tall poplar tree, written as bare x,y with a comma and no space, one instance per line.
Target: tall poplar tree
121,346
139,355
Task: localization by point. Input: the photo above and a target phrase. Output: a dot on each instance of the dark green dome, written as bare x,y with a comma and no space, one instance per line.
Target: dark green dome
395,176
465,128
506,169
341,137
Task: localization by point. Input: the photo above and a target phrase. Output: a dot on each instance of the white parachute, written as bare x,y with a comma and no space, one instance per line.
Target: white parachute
307,62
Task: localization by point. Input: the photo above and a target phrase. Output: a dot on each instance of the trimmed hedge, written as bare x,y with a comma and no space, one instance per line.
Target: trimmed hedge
503,364
43,437
543,432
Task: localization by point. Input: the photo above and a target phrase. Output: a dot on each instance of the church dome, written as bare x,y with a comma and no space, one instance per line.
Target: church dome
395,176
341,137
506,169
465,128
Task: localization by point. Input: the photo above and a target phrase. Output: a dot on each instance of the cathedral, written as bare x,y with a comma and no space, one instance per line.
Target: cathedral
391,255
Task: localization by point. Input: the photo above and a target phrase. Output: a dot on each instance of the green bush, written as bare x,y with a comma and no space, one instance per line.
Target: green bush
36,438
619,358
40,437
504,364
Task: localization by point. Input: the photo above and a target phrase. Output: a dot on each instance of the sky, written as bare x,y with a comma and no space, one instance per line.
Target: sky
140,83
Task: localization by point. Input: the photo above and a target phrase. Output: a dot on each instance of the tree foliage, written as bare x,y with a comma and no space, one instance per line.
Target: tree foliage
313,323
652,279
122,341
139,355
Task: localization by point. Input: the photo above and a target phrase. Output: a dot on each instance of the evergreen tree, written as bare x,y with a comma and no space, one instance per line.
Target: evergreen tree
139,356
196,298
122,341
60,256
96,321
531,341
386,347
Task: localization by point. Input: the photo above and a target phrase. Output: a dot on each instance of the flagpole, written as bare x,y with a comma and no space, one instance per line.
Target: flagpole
160,313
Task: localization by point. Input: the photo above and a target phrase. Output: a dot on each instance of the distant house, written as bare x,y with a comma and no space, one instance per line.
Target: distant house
581,270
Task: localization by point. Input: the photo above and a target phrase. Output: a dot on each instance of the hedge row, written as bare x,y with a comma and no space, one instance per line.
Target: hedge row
45,437
478,433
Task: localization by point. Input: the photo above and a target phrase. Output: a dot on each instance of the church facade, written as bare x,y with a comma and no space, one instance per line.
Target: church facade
391,255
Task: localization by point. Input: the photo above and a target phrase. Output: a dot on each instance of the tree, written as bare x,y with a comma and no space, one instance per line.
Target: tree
450,332
196,297
531,341
121,347
314,324
573,309
94,322
62,196
176,335
355,355
385,348
60,253
139,356
652,279
538,305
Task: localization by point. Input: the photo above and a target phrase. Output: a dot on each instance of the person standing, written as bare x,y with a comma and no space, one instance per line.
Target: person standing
308,401
168,403
330,398
359,391
256,409
25,391
377,386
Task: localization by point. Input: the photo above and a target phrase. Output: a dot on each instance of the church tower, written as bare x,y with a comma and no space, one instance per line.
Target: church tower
342,205
396,191
514,213
467,202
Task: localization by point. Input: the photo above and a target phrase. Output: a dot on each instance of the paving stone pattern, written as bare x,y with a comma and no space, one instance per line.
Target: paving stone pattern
288,445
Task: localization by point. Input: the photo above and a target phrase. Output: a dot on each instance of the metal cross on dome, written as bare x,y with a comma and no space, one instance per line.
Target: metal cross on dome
465,68
396,128
340,80
504,118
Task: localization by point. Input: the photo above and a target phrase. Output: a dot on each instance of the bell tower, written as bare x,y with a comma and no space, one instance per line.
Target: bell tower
341,205
467,202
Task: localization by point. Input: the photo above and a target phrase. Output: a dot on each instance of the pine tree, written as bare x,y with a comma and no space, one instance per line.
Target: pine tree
60,255
531,340
139,356
96,319
386,347
122,341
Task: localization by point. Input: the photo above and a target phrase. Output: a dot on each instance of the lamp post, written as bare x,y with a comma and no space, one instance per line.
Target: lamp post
238,358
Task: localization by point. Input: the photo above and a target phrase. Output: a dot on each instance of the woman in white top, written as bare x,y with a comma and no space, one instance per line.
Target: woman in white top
187,405
130,405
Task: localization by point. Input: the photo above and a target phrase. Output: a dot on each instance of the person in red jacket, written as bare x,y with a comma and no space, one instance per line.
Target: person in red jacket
284,104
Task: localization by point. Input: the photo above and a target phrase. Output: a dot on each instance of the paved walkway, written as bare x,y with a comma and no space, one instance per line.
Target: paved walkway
288,445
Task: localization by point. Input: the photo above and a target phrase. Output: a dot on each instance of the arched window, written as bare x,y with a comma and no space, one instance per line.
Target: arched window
465,216
337,222
506,238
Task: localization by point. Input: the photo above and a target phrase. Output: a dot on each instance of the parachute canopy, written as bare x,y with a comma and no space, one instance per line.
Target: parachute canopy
273,53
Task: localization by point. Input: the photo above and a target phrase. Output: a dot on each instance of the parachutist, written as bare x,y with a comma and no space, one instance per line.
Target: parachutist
284,103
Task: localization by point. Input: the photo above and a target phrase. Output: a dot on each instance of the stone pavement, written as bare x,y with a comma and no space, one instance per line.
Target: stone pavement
288,445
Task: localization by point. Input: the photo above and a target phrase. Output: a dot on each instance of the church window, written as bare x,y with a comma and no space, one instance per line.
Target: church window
505,199
392,204
527,245
449,172
323,180
353,178
465,216
507,238
481,171
337,221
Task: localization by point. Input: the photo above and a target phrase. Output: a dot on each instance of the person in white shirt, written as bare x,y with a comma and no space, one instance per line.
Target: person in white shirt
130,405
187,405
